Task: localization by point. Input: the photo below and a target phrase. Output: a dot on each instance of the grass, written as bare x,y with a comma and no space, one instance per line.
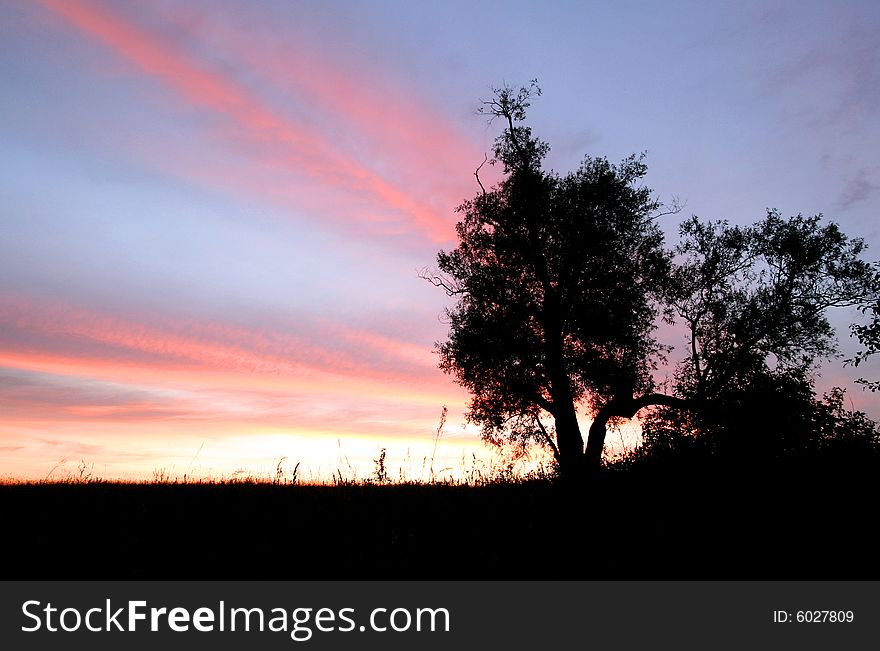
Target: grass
634,520
502,466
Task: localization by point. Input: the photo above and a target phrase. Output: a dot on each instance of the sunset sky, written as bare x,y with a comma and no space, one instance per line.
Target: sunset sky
213,214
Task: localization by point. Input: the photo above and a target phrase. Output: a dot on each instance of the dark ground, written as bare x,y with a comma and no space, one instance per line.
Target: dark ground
711,523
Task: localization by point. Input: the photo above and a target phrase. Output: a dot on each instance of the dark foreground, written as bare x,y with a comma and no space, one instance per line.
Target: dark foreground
714,523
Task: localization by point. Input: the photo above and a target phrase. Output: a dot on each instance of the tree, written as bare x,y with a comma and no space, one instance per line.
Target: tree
755,304
778,411
556,280
755,298
868,335
773,410
560,282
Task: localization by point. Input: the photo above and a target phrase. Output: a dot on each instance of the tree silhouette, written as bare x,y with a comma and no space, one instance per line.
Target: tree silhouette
758,296
755,301
868,335
556,279
560,282
775,418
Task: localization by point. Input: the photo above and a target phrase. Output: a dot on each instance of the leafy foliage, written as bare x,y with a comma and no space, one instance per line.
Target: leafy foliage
555,279
868,335
756,298
776,417
561,279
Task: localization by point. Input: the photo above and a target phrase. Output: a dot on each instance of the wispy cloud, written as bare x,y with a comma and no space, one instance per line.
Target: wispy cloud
828,82
346,99
857,188
275,138
44,330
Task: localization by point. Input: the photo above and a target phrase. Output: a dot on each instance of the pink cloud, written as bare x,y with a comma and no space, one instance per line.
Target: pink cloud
153,369
321,347
276,140
416,138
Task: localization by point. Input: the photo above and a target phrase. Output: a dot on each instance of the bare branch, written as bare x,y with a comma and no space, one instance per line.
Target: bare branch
447,284
547,437
477,173
676,207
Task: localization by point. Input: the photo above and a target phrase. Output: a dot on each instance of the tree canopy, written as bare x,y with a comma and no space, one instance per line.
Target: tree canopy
758,297
555,279
560,281
868,335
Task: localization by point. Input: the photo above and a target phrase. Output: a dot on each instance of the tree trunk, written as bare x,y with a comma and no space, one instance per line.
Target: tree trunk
571,445
596,441
625,407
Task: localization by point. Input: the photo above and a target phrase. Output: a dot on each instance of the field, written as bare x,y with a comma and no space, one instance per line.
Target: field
797,522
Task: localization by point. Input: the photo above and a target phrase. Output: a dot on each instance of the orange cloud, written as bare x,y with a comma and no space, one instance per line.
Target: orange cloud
59,338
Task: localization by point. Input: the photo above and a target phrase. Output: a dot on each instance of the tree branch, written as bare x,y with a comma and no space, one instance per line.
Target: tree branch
547,437
676,207
477,173
624,408
449,286
545,404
